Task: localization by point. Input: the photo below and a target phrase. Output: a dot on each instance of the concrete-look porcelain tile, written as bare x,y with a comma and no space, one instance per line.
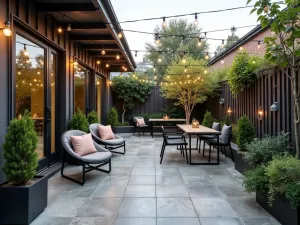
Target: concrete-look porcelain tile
140,191
65,207
196,180
109,191
178,221
45,220
176,191
167,171
234,191
143,171
138,207
121,171
93,221
204,191
101,207
247,207
216,171
191,171
169,180
122,163
135,221
260,221
142,180
148,163
225,180
115,180
213,207
78,191
221,221
175,207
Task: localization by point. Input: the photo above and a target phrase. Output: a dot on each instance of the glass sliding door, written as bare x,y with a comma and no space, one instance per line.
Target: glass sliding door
98,89
35,92
80,90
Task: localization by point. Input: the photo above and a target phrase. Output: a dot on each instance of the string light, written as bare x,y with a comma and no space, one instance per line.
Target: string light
103,52
120,35
75,63
222,61
205,71
184,59
185,69
206,56
223,43
258,45
118,57
196,22
98,62
241,48
106,65
159,58
157,39
69,28
59,30
199,42
25,53
154,69
6,30
164,24
135,54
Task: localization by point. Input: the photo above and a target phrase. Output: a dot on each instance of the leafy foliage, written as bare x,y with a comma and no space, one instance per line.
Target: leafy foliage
231,39
130,89
262,151
245,132
20,150
256,180
181,28
92,117
220,74
208,119
283,46
284,178
242,72
227,120
173,112
79,121
112,117
190,88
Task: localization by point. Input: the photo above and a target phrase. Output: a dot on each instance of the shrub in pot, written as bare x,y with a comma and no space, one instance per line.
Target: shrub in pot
92,117
208,119
24,195
79,121
112,117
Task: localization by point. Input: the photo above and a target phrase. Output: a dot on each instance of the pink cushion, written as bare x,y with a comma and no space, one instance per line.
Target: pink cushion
105,132
83,145
140,122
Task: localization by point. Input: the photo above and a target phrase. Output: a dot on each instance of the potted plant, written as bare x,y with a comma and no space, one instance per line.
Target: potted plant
113,120
245,134
92,117
24,195
79,121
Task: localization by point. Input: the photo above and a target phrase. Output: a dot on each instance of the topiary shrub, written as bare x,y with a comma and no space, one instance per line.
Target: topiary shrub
227,120
245,132
262,151
20,150
256,180
92,117
79,121
113,117
208,119
242,72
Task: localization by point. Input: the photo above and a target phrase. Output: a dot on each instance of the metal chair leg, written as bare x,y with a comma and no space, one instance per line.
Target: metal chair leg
187,159
163,152
203,148
199,145
209,153
162,147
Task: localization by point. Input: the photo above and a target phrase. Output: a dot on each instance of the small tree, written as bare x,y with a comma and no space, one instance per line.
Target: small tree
112,117
79,121
245,132
20,150
92,117
284,46
208,119
188,88
130,89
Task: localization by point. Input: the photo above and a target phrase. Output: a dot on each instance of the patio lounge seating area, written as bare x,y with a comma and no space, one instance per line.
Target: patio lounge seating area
141,191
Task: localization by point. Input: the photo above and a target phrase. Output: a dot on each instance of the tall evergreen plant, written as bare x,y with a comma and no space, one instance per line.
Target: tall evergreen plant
79,121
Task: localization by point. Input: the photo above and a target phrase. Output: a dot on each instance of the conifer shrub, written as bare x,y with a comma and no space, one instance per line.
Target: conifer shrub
113,117
21,158
245,132
208,119
79,121
92,117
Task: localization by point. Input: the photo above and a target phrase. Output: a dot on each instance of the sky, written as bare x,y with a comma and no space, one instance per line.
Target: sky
138,9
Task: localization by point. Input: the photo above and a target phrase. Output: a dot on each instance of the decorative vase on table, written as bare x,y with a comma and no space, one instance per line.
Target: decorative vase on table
195,123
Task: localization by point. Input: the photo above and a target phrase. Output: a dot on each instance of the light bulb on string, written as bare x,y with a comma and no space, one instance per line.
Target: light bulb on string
206,56
222,61
120,35
199,42
98,62
183,58
59,30
154,69
106,65
25,53
223,43
103,52
6,30
118,57
258,45
185,69
159,58
241,48
135,54
69,28
205,71
196,22
157,39
164,24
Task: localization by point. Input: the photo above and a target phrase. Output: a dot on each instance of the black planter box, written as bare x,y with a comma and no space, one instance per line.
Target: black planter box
239,163
122,129
281,209
22,204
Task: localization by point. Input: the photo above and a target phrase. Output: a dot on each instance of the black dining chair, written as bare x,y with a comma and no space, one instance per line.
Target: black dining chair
224,141
200,138
173,139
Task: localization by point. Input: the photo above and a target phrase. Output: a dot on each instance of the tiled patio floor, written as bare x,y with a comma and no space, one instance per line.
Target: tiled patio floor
140,191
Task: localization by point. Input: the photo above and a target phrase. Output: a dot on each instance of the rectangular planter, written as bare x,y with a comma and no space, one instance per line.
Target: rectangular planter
239,163
122,129
281,209
22,204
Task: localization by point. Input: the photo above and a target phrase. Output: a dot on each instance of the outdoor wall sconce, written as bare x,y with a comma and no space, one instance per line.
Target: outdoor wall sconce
260,114
110,82
222,100
229,111
274,107
75,63
6,29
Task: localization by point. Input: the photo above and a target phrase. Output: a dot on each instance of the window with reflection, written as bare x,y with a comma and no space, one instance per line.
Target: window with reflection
80,75
98,96
29,90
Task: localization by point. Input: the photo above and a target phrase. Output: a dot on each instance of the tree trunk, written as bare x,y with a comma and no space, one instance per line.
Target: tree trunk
123,113
187,116
294,84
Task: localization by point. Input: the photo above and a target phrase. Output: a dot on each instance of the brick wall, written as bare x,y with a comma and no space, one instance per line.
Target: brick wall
249,46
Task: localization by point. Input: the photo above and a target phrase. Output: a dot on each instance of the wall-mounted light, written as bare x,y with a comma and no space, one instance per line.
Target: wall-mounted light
229,111
59,30
106,65
98,62
222,101
75,63
109,82
6,29
260,113
274,107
